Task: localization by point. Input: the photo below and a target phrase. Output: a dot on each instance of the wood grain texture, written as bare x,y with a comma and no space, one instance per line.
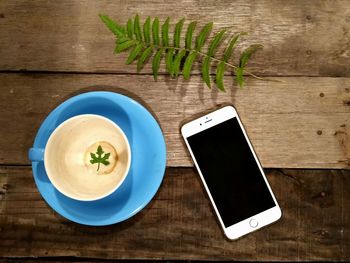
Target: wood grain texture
80,260
299,122
300,37
179,222
83,260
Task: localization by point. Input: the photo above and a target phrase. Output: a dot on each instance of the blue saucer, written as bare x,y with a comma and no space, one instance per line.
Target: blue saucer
147,165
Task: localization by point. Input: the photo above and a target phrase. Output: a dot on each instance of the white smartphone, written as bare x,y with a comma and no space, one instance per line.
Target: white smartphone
231,172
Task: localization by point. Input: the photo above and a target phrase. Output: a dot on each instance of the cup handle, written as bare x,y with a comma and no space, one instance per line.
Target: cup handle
36,154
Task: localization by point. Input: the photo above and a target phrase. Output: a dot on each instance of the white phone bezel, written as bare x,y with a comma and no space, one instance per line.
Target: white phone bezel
205,122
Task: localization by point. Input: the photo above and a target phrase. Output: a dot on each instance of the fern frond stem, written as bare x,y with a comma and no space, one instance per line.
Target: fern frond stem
202,54
218,60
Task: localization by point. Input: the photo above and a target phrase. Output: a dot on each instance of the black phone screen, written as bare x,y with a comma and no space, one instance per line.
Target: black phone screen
231,172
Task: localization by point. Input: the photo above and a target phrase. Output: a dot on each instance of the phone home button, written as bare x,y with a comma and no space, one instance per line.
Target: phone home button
253,223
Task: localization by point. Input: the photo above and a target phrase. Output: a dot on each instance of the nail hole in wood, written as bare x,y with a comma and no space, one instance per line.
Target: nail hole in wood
319,132
321,94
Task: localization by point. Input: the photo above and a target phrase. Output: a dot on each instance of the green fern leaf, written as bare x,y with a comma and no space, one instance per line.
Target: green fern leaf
232,45
137,28
189,34
247,54
124,46
144,56
130,28
177,61
203,35
215,42
205,71
239,76
143,40
116,29
156,63
211,51
219,78
177,32
134,53
155,31
147,30
165,33
188,64
122,39
169,59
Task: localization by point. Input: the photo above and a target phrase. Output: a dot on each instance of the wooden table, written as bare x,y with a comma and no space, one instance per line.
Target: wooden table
52,50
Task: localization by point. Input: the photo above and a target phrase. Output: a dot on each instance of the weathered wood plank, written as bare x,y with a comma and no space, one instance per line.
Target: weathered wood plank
52,260
299,122
179,222
80,260
300,37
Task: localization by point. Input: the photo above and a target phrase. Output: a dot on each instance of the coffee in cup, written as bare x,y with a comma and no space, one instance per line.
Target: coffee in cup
87,157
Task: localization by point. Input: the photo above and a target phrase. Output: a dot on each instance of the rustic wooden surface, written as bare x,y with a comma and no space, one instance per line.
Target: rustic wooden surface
52,50
300,122
179,223
300,37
